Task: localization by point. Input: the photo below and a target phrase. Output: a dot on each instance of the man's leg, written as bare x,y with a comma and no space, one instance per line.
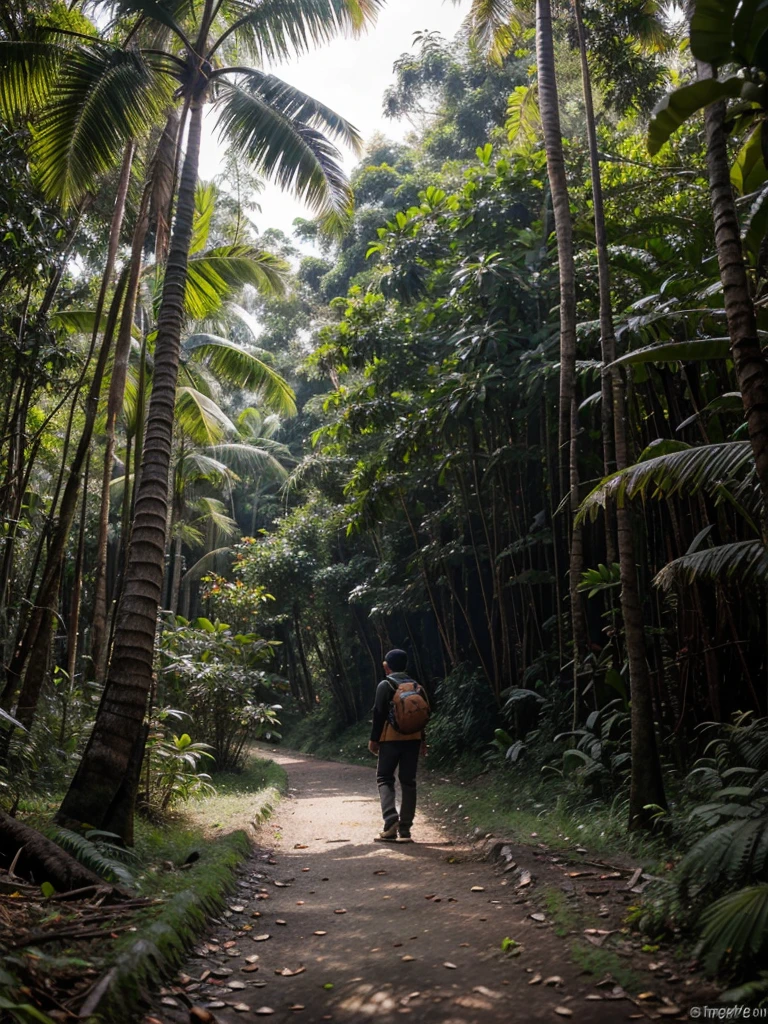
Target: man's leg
409,759
385,779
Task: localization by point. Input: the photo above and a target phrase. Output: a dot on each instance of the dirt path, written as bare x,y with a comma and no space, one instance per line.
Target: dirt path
376,930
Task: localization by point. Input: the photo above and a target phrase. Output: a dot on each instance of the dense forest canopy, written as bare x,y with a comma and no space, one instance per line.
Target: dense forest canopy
500,401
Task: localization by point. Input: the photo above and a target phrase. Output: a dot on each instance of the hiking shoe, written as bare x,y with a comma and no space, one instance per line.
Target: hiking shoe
404,834
389,833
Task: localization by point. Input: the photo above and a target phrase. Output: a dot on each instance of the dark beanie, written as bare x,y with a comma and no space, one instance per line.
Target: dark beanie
396,659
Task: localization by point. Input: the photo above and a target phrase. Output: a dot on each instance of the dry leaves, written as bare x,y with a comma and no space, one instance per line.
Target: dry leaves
286,972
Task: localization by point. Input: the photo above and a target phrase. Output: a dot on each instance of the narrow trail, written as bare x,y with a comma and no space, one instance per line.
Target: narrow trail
377,930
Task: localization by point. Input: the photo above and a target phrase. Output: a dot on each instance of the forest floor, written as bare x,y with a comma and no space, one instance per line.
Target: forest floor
328,925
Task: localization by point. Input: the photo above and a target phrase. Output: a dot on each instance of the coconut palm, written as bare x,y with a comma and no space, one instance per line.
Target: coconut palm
280,130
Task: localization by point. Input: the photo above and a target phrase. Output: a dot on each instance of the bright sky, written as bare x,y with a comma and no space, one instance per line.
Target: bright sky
350,76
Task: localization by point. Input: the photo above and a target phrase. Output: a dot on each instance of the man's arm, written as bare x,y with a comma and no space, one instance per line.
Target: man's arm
380,709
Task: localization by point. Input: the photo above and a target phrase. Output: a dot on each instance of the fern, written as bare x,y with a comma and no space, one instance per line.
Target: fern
92,854
752,993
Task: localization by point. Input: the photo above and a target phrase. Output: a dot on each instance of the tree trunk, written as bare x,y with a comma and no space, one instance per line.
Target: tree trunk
646,786
41,859
76,601
749,362
100,644
98,793
568,412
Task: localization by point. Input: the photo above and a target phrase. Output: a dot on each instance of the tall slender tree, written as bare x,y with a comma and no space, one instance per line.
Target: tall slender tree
280,130
646,785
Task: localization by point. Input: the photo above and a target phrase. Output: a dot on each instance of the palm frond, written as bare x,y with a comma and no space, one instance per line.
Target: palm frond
275,30
678,352
232,363
217,274
28,72
494,26
206,564
746,559
735,927
103,96
299,106
168,13
200,418
291,152
205,207
211,511
197,465
679,469
254,457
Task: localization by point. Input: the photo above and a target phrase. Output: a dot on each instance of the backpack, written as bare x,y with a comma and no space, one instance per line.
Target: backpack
408,707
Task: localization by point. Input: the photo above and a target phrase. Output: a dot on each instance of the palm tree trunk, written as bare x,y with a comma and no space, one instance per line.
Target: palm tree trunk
99,633
103,789
749,362
568,411
647,785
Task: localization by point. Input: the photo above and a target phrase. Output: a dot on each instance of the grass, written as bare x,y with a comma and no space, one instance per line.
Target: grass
531,811
600,962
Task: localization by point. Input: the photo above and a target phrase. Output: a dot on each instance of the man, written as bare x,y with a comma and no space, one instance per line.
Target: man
396,752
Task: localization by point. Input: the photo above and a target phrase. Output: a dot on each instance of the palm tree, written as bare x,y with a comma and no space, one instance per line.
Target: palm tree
646,784
280,130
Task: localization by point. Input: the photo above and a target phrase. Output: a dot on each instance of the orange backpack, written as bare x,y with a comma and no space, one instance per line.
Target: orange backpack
409,708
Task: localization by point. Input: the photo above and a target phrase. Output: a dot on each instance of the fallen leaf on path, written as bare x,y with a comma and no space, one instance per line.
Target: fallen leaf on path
320,933
263,1011
300,846
286,972
305,869
554,979
612,874
408,959
487,992
593,996
328,986
217,1004
464,944
525,879
563,1011
235,985
282,885
230,944
296,1006
222,972
477,888
379,872
535,980
237,909
280,921
250,969
261,938
242,1007
538,917
200,1016
252,958
339,911
647,995
167,1001
299,903
449,965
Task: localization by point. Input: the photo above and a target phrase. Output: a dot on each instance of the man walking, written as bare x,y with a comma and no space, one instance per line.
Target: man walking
400,714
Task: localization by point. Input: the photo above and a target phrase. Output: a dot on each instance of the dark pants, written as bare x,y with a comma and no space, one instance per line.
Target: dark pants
401,756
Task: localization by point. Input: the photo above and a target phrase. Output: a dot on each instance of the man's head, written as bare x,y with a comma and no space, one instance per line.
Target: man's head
395,660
